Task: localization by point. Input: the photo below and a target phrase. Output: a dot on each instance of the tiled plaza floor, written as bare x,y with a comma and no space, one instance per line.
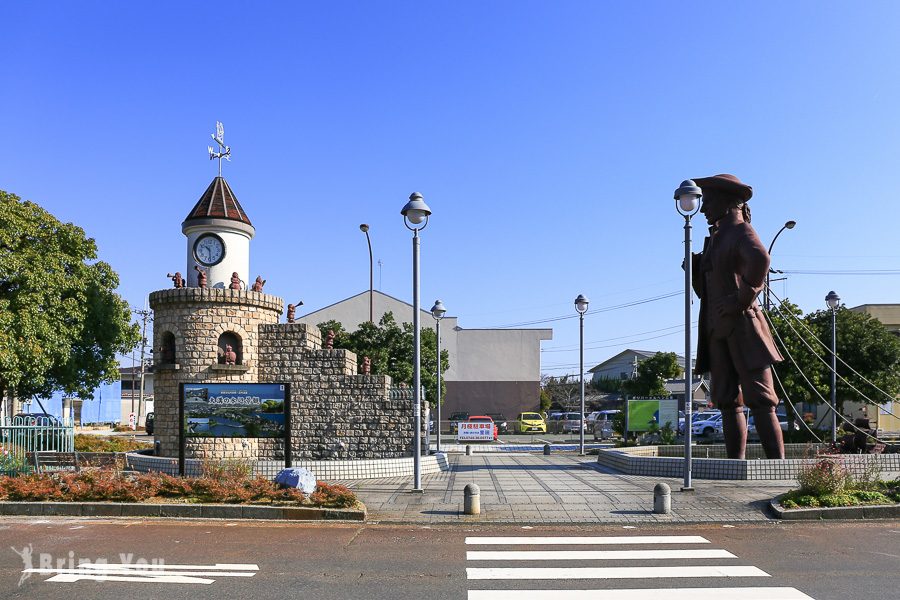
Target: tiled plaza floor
561,488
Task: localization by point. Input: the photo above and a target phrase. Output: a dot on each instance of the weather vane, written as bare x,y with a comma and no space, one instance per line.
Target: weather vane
224,151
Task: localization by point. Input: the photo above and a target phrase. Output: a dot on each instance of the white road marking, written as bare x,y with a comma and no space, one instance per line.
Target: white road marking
597,554
141,572
614,572
738,593
71,578
164,566
147,573
586,541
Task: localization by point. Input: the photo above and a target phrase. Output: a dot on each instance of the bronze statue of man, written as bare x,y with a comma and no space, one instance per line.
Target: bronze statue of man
735,345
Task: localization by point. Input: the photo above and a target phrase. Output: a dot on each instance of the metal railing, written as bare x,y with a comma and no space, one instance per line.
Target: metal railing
21,437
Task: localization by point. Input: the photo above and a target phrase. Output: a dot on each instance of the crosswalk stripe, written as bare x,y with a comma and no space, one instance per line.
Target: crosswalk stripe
72,578
596,554
586,541
738,593
613,572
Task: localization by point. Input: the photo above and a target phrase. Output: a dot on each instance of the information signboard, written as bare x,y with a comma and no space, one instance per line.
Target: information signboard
643,412
235,410
475,431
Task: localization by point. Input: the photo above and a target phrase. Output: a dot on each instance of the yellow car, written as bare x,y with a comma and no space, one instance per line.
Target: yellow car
531,422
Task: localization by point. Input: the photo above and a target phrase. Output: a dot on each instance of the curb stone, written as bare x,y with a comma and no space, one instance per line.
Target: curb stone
191,511
872,511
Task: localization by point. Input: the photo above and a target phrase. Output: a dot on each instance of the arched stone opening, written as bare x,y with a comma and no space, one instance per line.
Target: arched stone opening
229,341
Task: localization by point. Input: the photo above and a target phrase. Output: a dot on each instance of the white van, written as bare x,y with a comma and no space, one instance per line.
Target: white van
603,423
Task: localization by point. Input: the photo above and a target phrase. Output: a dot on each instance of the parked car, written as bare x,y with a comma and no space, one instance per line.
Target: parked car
455,418
707,424
782,421
500,420
554,422
603,423
483,419
41,419
572,422
531,422
149,422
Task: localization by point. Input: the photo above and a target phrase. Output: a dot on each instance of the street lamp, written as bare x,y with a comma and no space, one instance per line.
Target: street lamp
581,306
687,203
415,217
365,229
438,311
767,301
833,301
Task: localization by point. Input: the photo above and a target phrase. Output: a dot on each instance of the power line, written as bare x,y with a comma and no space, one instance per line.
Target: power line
845,272
590,312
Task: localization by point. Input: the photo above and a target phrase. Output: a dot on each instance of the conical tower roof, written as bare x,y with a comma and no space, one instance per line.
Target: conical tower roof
218,202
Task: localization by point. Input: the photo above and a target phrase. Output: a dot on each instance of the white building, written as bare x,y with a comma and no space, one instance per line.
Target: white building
491,370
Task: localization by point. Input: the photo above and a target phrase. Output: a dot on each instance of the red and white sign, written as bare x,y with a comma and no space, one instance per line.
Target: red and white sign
132,421
481,431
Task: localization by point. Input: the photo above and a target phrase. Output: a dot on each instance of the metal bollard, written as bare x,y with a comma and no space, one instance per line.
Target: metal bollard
469,450
546,449
471,499
662,499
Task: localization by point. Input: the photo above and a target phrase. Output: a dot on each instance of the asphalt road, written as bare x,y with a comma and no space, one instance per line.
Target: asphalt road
824,561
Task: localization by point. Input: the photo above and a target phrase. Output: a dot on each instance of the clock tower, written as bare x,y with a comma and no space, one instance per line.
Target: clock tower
218,237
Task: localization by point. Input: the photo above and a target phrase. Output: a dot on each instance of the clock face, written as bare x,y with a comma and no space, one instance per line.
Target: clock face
209,249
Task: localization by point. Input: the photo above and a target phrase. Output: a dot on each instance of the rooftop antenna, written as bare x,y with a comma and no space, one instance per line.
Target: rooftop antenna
224,151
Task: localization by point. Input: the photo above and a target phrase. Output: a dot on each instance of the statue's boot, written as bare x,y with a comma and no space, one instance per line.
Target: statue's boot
734,427
769,431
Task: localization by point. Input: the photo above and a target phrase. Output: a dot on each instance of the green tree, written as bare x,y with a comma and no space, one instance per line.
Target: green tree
652,374
61,322
862,343
389,346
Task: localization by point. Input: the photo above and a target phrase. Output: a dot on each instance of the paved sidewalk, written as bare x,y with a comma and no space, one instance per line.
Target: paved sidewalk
561,488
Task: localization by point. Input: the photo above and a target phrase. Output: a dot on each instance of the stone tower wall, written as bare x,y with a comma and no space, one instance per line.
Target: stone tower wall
335,412
197,317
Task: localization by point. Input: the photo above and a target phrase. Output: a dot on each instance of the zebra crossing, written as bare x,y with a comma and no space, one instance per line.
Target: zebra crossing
502,563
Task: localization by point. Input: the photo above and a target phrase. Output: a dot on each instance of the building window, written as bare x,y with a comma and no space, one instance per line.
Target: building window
229,341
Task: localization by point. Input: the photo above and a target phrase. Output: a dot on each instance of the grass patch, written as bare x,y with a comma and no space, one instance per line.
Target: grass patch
100,443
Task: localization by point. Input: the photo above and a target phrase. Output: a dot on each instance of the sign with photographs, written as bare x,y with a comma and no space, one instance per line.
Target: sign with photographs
229,410
644,412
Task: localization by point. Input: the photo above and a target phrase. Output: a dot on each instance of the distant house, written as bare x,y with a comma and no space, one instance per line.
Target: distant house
699,392
491,370
885,417
623,365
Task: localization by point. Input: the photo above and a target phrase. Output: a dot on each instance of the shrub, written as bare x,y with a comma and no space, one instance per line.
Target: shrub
332,496
827,476
831,500
871,497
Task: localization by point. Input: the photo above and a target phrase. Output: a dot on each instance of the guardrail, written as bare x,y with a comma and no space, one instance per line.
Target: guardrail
21,437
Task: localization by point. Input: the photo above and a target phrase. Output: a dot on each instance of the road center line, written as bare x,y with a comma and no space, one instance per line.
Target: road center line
613,572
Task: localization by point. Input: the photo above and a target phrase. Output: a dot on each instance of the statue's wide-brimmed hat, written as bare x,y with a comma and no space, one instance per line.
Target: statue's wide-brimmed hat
724,185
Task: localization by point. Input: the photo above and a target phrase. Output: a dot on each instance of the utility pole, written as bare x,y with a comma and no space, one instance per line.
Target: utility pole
145,316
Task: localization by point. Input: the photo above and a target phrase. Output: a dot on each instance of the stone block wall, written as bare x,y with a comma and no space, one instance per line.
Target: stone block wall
335,412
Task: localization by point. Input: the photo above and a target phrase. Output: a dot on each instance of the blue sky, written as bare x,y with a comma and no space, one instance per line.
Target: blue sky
547,138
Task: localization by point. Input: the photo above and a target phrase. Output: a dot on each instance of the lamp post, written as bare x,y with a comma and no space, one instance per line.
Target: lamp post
365,229
687,203
767,302
581,306
833,301
438,311
415,217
